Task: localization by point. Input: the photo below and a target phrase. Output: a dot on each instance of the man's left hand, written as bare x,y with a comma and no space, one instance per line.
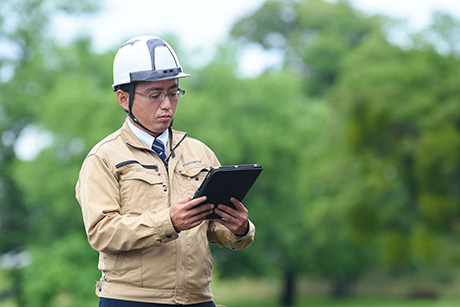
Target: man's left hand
235,220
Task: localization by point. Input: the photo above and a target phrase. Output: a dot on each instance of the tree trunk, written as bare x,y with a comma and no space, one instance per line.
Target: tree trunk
341,289
288,295
17,287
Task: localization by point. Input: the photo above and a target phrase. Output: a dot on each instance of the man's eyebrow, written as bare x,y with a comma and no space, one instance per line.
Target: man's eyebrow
150,89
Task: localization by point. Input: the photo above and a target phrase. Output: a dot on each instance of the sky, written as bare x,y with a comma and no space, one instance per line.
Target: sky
202,24
198,23
416,12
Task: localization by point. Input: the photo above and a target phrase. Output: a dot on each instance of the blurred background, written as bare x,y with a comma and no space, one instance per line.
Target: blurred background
352,107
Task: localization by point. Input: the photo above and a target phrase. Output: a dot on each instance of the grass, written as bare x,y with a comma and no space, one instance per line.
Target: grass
369,293
355,302
373,291
321,302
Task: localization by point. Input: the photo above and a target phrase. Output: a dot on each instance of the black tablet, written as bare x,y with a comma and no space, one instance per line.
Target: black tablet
224,182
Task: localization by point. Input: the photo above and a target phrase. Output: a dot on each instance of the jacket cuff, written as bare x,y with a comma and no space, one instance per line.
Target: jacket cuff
242,241
164,226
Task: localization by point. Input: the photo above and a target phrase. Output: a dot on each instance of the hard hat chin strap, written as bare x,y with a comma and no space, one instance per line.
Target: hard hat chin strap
132,87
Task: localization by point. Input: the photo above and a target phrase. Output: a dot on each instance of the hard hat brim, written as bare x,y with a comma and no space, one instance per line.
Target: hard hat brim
152,76
157,75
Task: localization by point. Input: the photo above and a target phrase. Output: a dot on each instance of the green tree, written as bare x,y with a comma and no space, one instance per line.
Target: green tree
314,36
78,109
27,55
366,204
401,110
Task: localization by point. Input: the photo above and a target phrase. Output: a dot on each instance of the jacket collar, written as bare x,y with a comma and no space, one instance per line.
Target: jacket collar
132,140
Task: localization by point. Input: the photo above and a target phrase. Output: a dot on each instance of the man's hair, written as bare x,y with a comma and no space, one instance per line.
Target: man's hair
123,87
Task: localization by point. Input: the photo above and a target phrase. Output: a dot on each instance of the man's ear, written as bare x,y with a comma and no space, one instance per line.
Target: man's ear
123,99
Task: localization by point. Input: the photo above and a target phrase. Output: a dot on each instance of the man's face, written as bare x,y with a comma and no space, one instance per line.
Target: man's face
156,116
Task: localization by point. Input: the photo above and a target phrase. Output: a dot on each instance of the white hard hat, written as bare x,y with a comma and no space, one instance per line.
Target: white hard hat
146,58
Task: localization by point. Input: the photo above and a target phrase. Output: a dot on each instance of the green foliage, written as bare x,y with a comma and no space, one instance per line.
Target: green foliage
79,115
401,108
74,109
388,189
62,273
314,36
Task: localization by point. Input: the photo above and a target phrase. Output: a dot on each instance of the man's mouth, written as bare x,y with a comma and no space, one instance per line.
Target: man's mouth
165,117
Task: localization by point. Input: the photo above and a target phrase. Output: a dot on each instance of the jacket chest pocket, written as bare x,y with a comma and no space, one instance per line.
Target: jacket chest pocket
191,178
142,190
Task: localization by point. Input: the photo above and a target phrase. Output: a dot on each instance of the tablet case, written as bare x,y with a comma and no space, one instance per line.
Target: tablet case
224,182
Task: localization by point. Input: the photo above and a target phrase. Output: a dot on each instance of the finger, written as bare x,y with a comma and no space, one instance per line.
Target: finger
222,211
204,214
196,201
197,219
238,205
202,209
193,218
229,210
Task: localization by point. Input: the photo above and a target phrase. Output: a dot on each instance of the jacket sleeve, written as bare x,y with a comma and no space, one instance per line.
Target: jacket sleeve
107,229
221,236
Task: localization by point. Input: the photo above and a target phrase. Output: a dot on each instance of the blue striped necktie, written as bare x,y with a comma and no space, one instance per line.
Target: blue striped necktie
159,148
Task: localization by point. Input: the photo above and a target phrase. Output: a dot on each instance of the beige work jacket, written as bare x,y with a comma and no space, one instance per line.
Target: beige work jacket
125,192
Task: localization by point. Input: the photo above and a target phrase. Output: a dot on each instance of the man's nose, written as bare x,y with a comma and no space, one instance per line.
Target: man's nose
166,103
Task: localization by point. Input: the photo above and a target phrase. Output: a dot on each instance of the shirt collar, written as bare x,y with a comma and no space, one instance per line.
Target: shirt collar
146,138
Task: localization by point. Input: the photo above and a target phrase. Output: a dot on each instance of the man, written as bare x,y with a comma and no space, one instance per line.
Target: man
135,189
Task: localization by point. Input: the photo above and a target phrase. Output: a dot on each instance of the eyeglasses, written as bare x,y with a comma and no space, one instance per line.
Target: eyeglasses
160,96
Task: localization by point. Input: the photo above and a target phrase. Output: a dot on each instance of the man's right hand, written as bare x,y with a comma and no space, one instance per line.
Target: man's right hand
186,214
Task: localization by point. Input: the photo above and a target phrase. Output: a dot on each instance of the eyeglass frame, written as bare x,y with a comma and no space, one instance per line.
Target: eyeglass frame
163,95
